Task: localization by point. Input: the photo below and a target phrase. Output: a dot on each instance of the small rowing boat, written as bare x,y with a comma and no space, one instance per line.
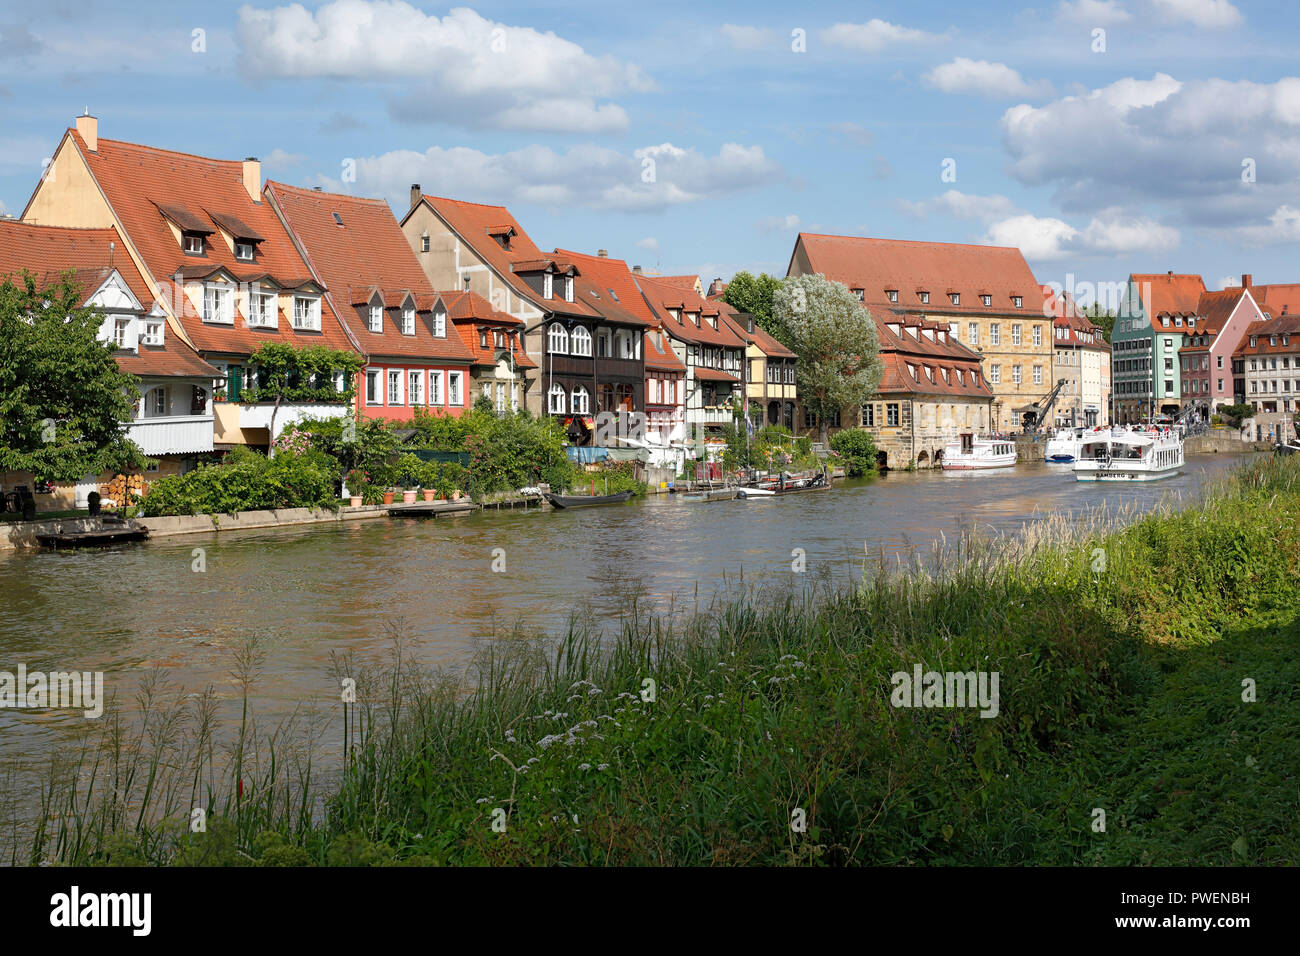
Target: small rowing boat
583,501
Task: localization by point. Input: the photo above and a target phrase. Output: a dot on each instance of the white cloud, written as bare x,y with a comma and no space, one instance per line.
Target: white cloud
1159,139
983,78
1229,282
854,132
1210,14
1283,226
279,157
461,68
649,243
1093,13
874,36
590,177
1109,233
788,223
745,37
959,205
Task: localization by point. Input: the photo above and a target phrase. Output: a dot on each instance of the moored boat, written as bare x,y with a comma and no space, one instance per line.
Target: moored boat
1120,454
969,453
1063,446
583,501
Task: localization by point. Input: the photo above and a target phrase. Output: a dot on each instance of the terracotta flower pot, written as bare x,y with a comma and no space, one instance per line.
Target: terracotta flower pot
388,497
356,501
408,496
428,494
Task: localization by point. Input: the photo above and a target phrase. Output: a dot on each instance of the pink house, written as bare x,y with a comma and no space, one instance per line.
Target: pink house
1206,357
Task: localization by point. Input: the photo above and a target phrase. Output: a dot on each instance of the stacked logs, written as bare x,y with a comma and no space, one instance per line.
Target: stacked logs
122,489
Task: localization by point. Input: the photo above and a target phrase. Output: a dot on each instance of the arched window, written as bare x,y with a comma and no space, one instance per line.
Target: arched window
556,398
580,341
557,340
581,401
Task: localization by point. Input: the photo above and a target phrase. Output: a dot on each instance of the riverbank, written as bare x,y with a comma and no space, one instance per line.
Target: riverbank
762,730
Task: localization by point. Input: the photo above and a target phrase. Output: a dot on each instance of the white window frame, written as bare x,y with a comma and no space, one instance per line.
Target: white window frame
1038,335
375,396
580,341
995,333
548,286
240,247
568,288
435,386
153,332
397,375
222,309
415,386
121,330
312,303
556,400
581,397
375,318
193,244
1016,375
557,339
454,390
440,324
1038,375
408,320
1015,333
268,319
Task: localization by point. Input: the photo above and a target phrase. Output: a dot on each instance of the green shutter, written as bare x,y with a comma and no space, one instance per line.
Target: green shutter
234,379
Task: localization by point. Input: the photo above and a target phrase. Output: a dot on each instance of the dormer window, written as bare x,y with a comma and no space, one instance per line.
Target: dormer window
153,332
860,293
440,324
1252,341
568,288
408,321
375,318
192,243
1165,321
1272,340
891,294
955,297
482,338
120,329
1286,339
548,286
306,313
218,304
261,309
1178,321
1017,301
986,299
924,297
245,251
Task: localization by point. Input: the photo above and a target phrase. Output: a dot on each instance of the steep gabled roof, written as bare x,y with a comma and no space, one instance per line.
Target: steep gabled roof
361,254
739,323
49,251
1169,294
469,310
141,181
608,286
478,224
1288,325
661,296
878,266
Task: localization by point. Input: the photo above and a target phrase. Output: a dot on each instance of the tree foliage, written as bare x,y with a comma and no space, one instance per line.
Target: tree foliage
1105,318
753,294
835,338
63,400
858,450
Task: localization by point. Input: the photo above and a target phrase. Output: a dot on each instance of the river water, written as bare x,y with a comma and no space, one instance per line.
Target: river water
307,592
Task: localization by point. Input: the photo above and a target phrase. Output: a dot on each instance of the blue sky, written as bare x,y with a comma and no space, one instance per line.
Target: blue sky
698,137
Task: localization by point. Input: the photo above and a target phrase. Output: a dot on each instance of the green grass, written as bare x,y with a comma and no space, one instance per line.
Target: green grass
1120,642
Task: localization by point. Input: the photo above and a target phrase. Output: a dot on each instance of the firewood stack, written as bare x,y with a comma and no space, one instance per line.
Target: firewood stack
123,489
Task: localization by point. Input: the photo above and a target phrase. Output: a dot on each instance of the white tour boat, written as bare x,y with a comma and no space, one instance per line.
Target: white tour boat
1129,455
969,453
1064,445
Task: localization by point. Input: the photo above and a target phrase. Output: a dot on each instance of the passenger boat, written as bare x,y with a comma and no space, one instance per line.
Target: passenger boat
970,453
1064,445
1121,454
582,501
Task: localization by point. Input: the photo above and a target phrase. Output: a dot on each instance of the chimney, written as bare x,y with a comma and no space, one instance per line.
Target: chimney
466,283
636,269
88,127
415,195
253,178
1245,280
1170,272
602,253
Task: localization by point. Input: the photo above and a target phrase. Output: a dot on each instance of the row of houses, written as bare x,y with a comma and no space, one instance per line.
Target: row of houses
198,262
1183,351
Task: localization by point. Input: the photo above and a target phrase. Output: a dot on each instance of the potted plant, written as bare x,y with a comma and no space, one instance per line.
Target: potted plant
409,469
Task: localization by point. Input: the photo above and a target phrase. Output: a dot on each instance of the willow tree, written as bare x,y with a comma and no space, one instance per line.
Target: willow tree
64,402
835,338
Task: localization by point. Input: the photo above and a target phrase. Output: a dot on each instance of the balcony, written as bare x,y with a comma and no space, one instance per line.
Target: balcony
710,415
259,415
172,434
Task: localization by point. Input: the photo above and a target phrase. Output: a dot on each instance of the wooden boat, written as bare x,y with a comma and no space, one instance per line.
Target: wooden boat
785,485
582,501
110,531
709,494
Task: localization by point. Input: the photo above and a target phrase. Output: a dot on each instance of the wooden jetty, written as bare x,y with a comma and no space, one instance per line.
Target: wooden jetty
429,509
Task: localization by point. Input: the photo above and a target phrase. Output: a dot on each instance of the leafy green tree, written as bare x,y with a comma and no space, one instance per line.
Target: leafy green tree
1105,318
288,373
63,399
753,294
835,339
858,449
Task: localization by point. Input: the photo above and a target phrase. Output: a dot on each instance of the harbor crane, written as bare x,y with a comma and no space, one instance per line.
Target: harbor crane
1033,416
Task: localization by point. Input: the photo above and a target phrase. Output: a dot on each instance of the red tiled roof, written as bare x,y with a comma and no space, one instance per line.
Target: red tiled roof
139,180
1069,317
358,254
48,251
1279,298
468,311
608,286
1288,325
1170,294
911,345
878,266
713,375
680,282
739,323
661,296
475,223
661,359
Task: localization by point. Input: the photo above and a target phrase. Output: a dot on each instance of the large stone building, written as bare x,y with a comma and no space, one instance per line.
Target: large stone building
1080,359
985,296
933,388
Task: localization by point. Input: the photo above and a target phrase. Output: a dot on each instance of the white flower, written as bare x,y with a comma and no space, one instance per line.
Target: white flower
584,766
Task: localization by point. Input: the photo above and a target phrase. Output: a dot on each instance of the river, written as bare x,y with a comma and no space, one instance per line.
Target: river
307,592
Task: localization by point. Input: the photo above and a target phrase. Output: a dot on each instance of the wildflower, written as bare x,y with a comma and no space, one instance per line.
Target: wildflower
603,766
584,766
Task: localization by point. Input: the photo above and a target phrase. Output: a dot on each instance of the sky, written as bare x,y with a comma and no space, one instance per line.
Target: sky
1102,137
